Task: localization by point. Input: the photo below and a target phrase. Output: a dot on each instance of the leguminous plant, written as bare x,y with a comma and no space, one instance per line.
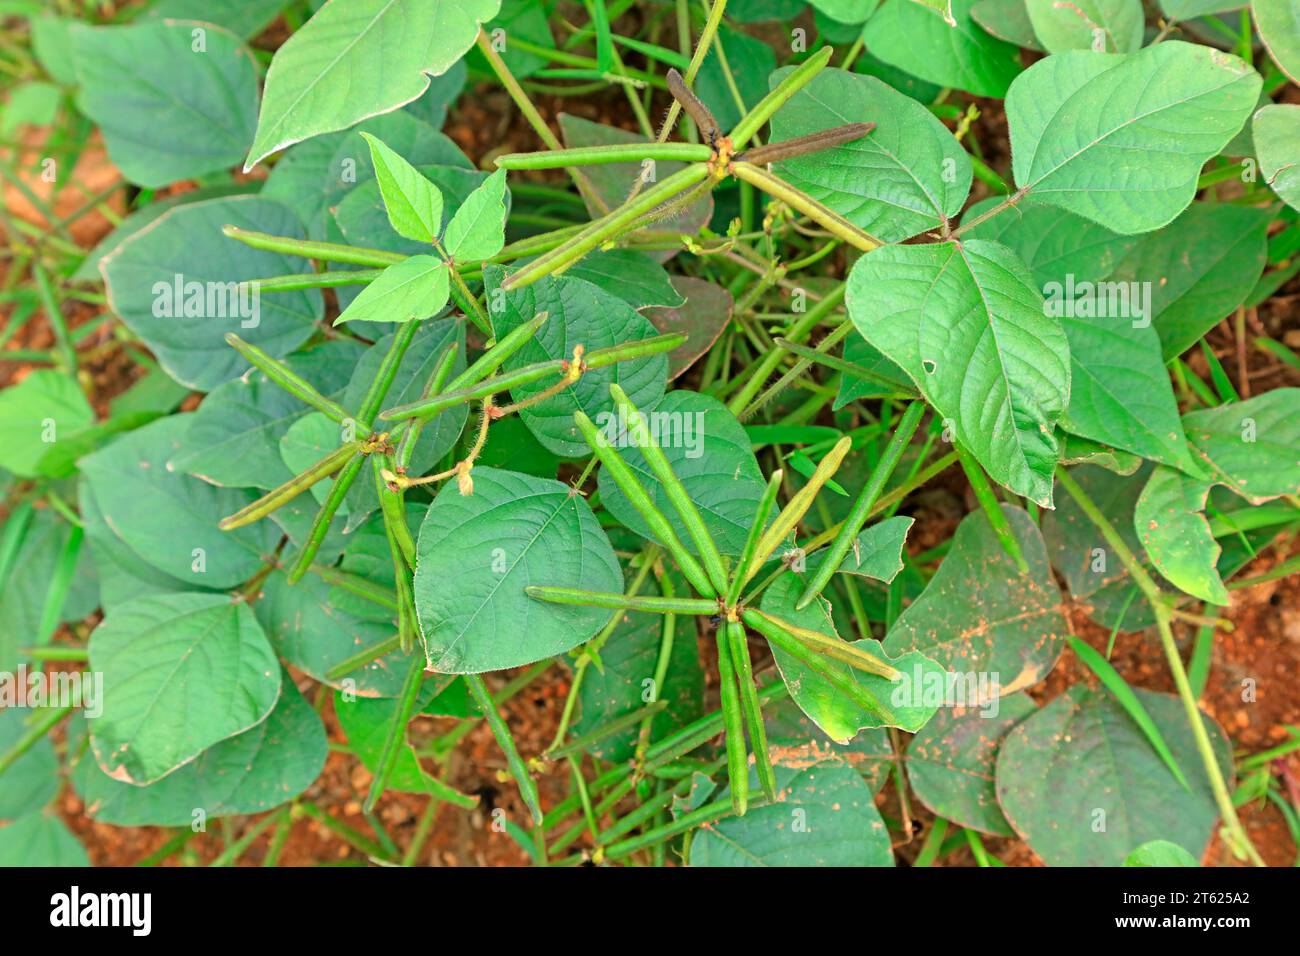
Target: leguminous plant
655,432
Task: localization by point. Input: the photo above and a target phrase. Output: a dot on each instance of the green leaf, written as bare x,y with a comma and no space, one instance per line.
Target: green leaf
32,780
966,323
413,203
1278,23
1007,20
34,103
795,742
824,816
427,348
355,60
1191,9
626,683
234,438
637,279
710,454
52,46
1171,524
44,408
909,700
1120,393
476,555
478,229
314,178
252,772
1277,140
1121,138
413,289
362,218
1084,451
174,100
852,387
1197,270
182,672
1054,243
877,552
1102,26
916,38
247,18
950,762
907,176
366,723
169,520
998,630
1075,807
1250,446
580,314
40,839
1160,853
853,11
187,330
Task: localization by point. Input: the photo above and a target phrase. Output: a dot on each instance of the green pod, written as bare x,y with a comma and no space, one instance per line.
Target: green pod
794,81
309,249
627,351
281,496
289,380
320,527
733,723
750,707
755,533
600,155
615,601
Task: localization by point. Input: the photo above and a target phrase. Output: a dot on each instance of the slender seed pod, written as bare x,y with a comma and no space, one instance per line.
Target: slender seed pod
694,107
734,726
750,708
289,380
629,602
321,526
802,145
281,496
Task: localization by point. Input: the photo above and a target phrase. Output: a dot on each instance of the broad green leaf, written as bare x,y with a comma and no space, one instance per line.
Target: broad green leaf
511,445
355,60
1054,243
444,90
174,100
40,839
711,455
579,314
853,387
950,762
1250,446
247,18
421,360
824,817
413,289
702,316
252,772
1160,853
234,437
476,555
26,588
854,11
1170,522
998,631
413,203
750,61
1007,20
1076,807
314,177
1102,26
478,229
122,574
966,323
44,408
1191,9
625,683
1121,138
1197,270
907,176
1277,140
752,11
916,38
877,552
1278,23
32,780
181,286
88,271
169,520
34,103
1120,393
637,279
182,672
909,701
52,46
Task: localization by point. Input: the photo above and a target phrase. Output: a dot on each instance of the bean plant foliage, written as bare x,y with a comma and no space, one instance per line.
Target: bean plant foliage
650,412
